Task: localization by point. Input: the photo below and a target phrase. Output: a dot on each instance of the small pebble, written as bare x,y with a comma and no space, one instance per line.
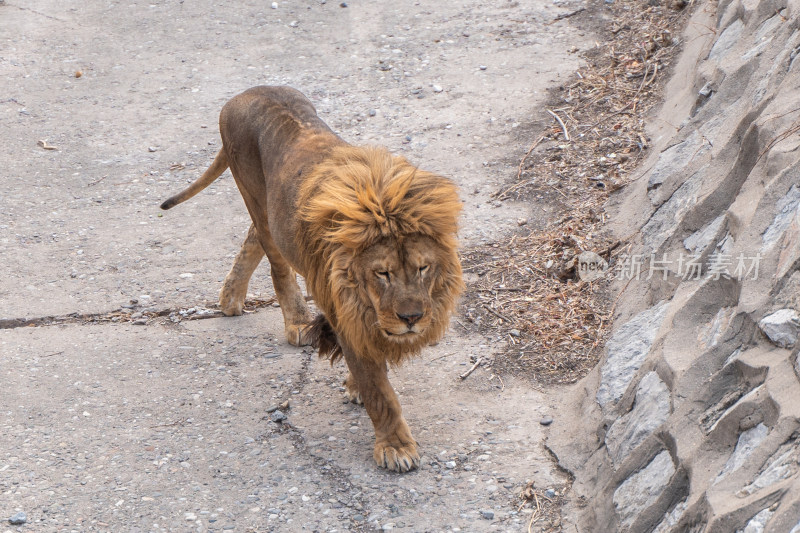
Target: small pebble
277,416
343,4
293,24
546,420
487,514
152,149
514,333
18,519
437,88
274,5
450,464
482,67
522,221
190,517
372,112
550,493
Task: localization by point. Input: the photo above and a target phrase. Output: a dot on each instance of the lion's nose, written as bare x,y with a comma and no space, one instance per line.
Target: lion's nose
409,318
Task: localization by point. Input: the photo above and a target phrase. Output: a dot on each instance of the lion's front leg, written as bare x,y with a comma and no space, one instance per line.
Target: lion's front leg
395,447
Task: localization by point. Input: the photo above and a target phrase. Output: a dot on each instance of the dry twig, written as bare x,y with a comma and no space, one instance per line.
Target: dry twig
466,374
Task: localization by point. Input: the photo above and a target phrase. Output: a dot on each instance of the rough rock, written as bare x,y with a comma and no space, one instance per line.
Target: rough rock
782,327
788,209
748,441
675,159
650,410
642,489
697,242
627,349
671,518
721,183
591,266
758,522
18,519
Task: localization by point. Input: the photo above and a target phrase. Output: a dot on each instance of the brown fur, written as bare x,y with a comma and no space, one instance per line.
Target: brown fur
373,235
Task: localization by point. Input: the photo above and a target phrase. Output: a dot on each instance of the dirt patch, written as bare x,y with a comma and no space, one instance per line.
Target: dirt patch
525,290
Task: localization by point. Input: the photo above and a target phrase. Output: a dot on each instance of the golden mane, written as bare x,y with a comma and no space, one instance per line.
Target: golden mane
355,197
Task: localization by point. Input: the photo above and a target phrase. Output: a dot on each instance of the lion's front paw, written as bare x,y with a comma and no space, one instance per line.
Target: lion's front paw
298,334
399,457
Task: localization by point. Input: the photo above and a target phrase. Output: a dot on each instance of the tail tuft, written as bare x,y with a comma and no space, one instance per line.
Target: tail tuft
169,204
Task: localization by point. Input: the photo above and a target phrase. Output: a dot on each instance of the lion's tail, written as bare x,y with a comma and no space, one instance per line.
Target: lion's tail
213,172
323,338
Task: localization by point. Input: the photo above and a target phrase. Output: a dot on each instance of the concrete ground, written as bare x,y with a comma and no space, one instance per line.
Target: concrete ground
163,424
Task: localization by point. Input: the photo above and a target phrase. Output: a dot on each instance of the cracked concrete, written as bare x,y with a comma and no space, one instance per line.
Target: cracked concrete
162,424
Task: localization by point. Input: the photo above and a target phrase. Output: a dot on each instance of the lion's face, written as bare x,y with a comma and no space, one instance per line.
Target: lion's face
398,279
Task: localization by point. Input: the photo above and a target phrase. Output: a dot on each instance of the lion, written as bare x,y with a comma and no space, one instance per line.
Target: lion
373,236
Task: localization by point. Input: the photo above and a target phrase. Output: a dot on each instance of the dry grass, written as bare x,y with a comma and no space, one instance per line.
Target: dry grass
526,291
544,507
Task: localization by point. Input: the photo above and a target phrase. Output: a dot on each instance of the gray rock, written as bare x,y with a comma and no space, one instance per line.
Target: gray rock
780,468
664,221
651,408
487,514
627,350
671,518
698,241
781,327
643,488
18,519
277,416
546,420
726,40
758,522
550,493
675,158
450,464
591,266
788,209
748,441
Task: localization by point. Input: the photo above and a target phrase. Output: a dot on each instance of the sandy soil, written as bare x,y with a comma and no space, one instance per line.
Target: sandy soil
120,427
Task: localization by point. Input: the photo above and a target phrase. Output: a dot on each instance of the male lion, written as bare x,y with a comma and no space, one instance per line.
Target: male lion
373,236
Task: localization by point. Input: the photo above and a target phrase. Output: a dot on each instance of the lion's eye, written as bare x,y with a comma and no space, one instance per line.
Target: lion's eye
382,274
423,269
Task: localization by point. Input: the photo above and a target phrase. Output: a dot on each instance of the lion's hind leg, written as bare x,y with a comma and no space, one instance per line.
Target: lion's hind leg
234,289
296,316
351,390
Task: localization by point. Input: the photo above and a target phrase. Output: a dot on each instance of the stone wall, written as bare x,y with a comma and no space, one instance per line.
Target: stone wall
692,420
